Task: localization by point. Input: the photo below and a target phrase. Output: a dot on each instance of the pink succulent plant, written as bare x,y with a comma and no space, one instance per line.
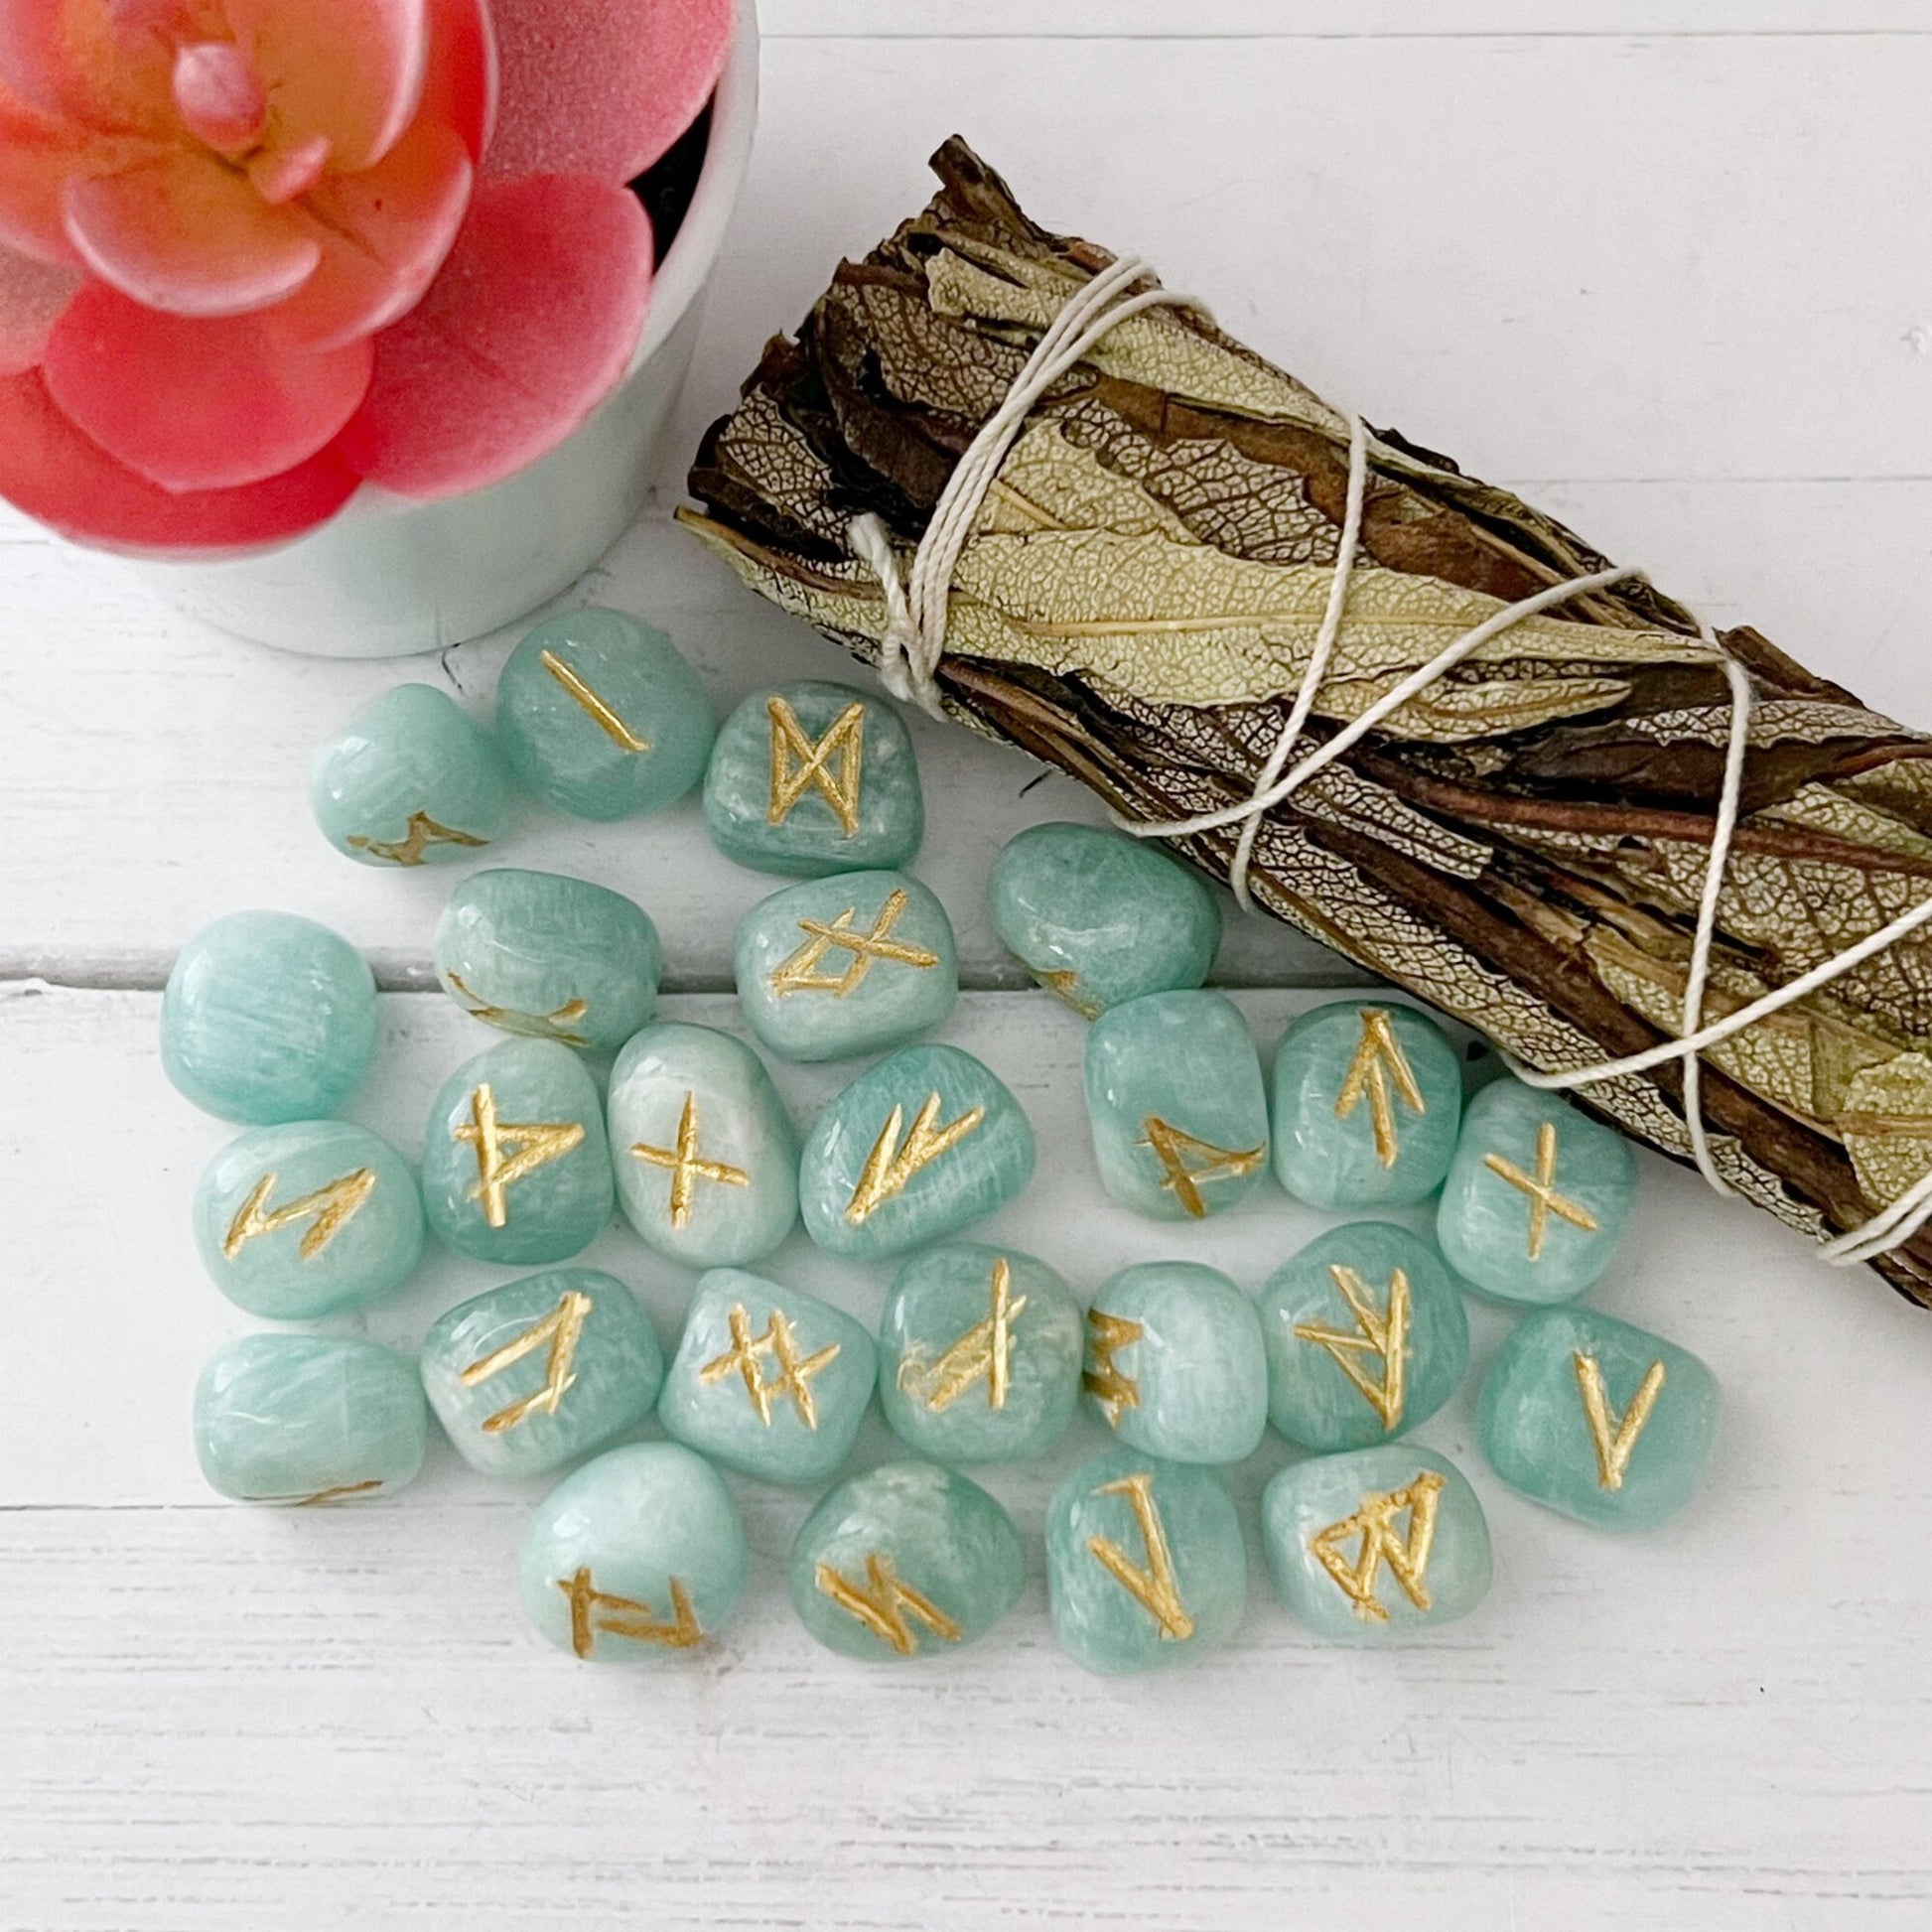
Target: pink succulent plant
256,253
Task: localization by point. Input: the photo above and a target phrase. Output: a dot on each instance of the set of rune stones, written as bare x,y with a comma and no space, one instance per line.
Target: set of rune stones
983,1353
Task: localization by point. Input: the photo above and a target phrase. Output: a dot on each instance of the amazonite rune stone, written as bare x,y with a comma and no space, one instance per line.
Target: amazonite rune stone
307,1219
548,956
913,1150
845,965
905,1561
1376,1544
814,778
528,1375
1175,1101
706,1155
1597,1419
1536,1197
1174,1364
635,1557
309,1418
766,1380
1366,1103
979,1354
1099,918
410,780
1366,1336
601,716
1144,1563
268,1017
515,1165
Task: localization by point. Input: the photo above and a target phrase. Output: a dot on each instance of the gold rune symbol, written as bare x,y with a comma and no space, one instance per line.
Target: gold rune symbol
554,1025
882,1606
613,726
889,1167
1544,1198
538,1143
595,1613
1103,1378
1155,1587
1615,1439
1379,1060
1173,1149
1382,1332
795,1374
325,1210
408,850
1064,983
801,974
323,1498
1374,1522
790,783
562,1329
985,1350
687,1169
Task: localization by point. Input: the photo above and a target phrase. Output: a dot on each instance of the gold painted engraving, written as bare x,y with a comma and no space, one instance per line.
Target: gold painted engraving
1373,1523
1103,1378
801,974
889,1167
561,1329
613,728
555,1024
1186,1163
1379,1061
537,1143
1155,1587
1381,1335
1540,1188
595,1613
795,1377
408,849
323,1498
326,1211
1614,1435
687,1167
801,763
985,1350
884,1603
1064,983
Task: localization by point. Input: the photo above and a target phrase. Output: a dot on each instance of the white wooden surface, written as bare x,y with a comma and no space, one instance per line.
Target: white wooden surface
1665,263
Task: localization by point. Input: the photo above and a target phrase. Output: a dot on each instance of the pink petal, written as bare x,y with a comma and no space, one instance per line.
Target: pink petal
36,157
198,403
460,89
603,86
527,329
106,63
220,95
58,476
31,296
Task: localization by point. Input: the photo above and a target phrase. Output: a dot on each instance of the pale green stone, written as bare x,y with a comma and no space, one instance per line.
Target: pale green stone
908,1559
579,697
536,1185
551,957
810,993
296,1418
576,1362
913,1150
1366,1336
707,1159
1366,1103
268,1017
1643,1455
1376,1544
1175,1101
307,1219
937,1339
849,800
1100,918
1545,1228
636,1558
410,780
1172,1528
1175,1364
768,1380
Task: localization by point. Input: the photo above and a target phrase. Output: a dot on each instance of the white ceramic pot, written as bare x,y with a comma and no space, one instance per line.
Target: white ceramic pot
390,575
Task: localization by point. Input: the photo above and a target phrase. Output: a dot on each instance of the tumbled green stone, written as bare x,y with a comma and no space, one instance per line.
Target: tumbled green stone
1175,1101
601,717
635,1558
1536,1197
1598,1418
908,1559
409,780
515,1165
1366,1336
914,1148
706,1155
268,1017
1373,1545
845,965
1175,1364
302,1418
307,1219
526,1376
812,779
549,957
1144,1563
1099,918
768,1380
1366,1103
979,1354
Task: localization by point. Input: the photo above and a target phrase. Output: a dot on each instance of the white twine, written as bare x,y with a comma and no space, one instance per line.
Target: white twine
915,638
